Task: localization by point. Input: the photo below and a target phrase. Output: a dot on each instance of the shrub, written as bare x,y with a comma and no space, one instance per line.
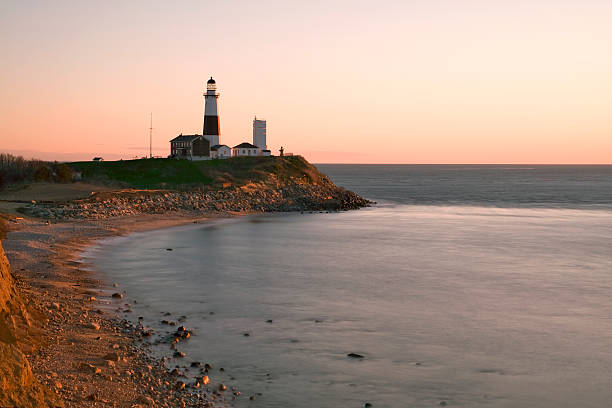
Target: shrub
63,173
42,173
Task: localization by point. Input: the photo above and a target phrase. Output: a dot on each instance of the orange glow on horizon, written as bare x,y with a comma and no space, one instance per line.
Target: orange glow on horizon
403,82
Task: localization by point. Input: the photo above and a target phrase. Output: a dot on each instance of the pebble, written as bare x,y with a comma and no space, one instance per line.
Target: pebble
111,357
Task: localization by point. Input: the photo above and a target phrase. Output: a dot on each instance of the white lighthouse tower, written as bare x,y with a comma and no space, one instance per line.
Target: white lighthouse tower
211,115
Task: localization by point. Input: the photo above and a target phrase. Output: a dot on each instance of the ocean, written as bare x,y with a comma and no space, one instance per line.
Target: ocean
463,286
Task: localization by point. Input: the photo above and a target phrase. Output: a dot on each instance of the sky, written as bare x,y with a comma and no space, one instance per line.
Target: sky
421,81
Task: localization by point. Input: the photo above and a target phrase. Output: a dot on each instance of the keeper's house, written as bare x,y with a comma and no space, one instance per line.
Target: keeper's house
220,152
191,147
245,149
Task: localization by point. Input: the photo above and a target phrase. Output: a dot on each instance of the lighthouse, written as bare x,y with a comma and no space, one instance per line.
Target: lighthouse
211,115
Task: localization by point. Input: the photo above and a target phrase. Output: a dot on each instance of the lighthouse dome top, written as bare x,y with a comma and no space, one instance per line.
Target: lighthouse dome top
211,85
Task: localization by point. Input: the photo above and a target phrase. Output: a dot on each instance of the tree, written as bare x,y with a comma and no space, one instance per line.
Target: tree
63,173
42,173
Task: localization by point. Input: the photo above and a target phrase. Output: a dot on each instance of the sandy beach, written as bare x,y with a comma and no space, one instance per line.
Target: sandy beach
85,353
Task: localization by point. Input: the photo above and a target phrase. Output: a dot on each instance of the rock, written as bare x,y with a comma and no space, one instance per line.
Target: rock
93,397
177,372
367,405
145,400
208,366
179,385
196,364
443,403
246,334
55,305
178,354
205,380
117,295
111,357
168,249
89,368
222,387
94,326
355,355
269,321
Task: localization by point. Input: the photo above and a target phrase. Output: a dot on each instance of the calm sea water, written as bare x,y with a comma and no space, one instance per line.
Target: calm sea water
477,286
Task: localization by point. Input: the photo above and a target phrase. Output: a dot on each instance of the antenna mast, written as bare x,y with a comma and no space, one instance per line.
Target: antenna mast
151,138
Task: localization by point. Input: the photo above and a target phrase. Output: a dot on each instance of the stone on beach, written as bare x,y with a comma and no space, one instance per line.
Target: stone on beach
355,355
94,326
89,368
111,357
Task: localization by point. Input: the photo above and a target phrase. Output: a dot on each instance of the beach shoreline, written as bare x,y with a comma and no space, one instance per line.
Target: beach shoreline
86,353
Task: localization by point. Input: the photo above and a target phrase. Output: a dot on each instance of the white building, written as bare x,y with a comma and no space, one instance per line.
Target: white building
259,133
220,152
245,149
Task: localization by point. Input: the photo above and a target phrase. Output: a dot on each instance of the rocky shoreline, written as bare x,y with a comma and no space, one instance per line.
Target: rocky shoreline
261,197
80,352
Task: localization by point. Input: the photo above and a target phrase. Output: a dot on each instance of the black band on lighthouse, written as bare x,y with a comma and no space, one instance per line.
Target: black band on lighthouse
211,125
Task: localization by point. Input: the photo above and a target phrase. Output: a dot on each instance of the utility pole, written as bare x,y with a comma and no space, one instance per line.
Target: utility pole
151,138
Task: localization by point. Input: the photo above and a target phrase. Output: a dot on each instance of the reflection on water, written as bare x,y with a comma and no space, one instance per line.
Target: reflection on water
474,306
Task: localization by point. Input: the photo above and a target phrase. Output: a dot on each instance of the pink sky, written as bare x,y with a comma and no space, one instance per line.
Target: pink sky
429,81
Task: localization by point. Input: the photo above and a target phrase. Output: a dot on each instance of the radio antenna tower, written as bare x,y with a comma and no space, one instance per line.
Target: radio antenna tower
151,138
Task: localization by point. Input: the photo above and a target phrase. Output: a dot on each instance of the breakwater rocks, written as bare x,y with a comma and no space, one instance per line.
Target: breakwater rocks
260,197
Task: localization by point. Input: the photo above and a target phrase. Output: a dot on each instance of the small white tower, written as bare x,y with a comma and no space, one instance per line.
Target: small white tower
211,115
259,133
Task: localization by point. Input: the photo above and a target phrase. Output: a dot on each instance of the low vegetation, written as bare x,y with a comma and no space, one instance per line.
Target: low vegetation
185,174
17,170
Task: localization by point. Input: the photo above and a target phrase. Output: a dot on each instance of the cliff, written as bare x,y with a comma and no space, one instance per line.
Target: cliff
18,386
267,184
